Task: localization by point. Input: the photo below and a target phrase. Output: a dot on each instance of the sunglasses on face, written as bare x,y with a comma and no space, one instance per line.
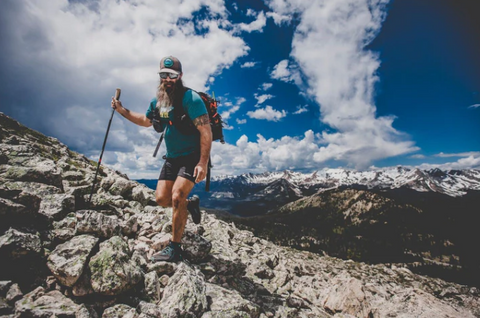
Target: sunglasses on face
164,75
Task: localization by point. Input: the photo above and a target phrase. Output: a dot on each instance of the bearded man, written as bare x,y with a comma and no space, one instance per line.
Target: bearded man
187,155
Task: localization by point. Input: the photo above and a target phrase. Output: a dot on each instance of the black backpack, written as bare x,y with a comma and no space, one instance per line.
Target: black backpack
185,125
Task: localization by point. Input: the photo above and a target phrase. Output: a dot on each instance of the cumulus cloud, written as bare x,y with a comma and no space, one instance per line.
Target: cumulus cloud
50,49
265,154
248,65
329,47
267,113
233,108
266,86
474,106
301,110
459,154
417,156
262,98
241,121
256,25
470,162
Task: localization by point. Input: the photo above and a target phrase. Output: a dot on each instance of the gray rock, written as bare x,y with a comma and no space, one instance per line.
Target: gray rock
185,294
112,271
152,286
119,311
14,294
67,262
121,187
196,247
93,222
229,303
4,287
16,244
143,194
40,304
57,206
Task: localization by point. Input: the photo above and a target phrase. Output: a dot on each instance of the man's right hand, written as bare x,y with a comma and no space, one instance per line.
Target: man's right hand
116,104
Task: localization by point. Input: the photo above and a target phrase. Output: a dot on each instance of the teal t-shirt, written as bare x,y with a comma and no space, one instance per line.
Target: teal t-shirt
177,143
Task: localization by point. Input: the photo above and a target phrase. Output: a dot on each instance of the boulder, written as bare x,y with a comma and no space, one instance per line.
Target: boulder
112,270
68,260
185,294
96,223
38,304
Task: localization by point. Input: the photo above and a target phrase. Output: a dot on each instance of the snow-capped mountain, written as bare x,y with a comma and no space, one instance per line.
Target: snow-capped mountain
453,182
253,194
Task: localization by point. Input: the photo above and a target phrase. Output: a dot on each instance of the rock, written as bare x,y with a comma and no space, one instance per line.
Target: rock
4,287
93,222
121,187
40,304
149,310
36,170
347,296
143,194
57,206
229,303
185,294
14,294
15,244
111,268
68,260
196,247
119,311
152,286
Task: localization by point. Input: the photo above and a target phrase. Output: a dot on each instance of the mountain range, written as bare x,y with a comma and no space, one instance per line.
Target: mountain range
256,194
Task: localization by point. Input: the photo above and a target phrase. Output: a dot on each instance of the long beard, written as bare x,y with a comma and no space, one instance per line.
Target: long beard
167,97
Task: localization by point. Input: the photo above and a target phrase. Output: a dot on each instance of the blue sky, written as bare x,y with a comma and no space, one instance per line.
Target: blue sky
303,85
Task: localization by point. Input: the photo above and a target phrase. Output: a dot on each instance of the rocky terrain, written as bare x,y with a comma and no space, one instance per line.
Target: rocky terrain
64,257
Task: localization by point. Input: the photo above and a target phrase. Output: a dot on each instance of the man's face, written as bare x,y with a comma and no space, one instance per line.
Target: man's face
169,79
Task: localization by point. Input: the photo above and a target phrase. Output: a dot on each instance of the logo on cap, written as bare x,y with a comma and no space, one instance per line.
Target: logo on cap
168,62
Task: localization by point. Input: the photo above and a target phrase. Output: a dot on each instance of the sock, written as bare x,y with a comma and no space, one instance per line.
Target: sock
176,245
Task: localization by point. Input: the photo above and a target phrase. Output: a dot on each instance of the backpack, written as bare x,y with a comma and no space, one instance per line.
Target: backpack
185,125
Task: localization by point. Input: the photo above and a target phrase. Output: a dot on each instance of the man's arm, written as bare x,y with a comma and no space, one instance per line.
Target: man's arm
203,125
134,117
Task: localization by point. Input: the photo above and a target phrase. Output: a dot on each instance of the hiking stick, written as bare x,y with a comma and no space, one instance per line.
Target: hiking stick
117,97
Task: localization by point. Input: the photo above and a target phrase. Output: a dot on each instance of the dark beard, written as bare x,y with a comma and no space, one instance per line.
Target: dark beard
170,96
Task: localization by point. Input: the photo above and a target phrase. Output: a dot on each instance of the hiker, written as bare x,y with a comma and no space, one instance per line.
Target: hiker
187,155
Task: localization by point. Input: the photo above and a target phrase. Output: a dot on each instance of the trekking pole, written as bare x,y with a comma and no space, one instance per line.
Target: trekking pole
117,97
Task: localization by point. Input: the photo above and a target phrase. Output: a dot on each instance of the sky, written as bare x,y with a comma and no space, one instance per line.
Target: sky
302,85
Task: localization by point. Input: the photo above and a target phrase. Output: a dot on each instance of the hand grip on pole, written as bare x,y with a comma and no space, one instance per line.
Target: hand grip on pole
118,91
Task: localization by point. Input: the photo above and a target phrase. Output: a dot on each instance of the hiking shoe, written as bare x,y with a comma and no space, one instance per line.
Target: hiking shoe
168,254
193,206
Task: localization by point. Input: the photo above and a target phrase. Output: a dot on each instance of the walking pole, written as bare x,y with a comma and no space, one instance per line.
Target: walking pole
117,97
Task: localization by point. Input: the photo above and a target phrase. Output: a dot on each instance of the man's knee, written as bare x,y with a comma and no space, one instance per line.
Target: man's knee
162,200
179,198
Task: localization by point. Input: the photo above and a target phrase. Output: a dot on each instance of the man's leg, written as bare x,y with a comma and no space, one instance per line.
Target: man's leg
180,191
163,194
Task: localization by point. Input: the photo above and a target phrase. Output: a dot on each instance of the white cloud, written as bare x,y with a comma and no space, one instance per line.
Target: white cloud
417,156
266,86
460,154
241,121
470,162
262,98
267,113
232,108
301,109
265,154
226,114
329,47
474,106
72,55
286,72
278,18
256,25
248,64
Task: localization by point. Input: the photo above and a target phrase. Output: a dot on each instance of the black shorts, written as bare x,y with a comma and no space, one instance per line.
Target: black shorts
179,167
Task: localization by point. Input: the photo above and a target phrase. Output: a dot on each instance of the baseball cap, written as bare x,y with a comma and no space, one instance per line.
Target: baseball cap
170,64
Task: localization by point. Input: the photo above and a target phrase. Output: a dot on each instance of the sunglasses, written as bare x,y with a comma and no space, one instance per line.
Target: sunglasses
164,75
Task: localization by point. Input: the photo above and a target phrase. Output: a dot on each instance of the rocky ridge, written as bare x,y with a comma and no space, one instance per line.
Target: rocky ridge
62,257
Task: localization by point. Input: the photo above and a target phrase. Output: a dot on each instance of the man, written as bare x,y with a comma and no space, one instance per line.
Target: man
187,154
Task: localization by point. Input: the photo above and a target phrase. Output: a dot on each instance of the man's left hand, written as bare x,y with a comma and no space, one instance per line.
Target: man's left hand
200,172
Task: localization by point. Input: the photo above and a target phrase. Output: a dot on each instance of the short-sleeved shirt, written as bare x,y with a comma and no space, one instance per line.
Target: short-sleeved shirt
177,143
